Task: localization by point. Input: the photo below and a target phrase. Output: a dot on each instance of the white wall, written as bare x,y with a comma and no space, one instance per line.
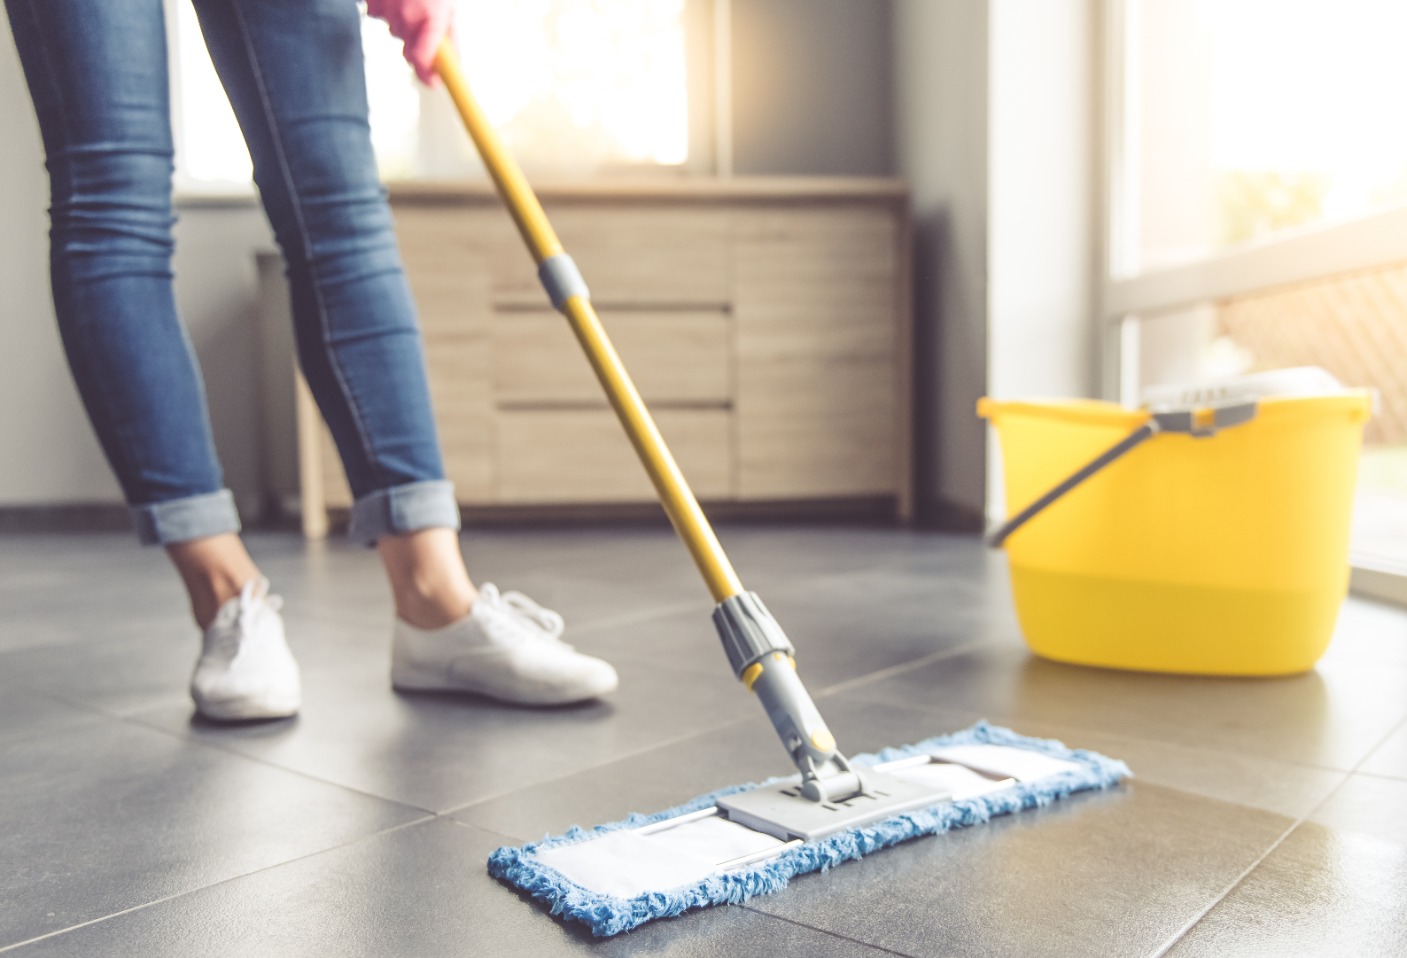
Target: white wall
995,126
812,84
1041,326
1041,240
49,454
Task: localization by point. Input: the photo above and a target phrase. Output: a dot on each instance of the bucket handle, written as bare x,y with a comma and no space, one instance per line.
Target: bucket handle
1198,423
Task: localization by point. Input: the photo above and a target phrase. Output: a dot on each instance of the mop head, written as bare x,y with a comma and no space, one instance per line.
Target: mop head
611,881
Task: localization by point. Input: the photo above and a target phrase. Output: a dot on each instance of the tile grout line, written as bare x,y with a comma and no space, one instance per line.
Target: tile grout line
78,705
1077,726
1357,769
1182,933
841,687
901,667
631,618
1230,887
1380,776
429,817
645,750
1078,729
1239,879
193,740
831,934
135,721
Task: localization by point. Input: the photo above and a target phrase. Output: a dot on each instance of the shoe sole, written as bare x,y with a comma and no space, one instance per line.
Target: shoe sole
245,710
407,678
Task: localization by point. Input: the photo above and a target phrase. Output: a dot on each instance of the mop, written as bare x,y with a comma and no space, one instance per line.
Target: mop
746,840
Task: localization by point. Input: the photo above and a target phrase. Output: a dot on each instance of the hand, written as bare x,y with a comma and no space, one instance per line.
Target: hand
421,25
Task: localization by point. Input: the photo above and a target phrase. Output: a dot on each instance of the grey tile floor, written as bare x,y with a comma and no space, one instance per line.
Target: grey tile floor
1267,816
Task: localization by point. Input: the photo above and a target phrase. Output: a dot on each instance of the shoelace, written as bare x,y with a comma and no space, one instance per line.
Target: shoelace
236,618
549,624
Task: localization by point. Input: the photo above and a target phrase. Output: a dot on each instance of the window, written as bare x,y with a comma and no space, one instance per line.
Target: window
1250,117
574,86
1258,211
582,85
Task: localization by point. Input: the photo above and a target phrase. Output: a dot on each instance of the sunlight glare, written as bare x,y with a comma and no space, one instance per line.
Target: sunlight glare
580,84
1304,86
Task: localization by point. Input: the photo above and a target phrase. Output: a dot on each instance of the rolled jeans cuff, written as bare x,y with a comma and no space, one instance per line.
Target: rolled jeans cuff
192,517
401,509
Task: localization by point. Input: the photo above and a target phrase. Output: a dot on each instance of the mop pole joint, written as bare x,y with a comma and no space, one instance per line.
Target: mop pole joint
562,280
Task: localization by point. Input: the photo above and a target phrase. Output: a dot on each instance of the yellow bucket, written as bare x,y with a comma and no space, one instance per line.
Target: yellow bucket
1219,555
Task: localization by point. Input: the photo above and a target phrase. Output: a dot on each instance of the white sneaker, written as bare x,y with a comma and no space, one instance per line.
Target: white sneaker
246,670
507,647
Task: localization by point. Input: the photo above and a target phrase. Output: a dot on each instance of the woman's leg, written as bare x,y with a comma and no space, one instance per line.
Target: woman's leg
429,582
213,570
294,73
293,70
97,72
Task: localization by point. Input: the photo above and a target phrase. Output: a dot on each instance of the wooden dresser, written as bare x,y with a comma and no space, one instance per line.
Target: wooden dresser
766,323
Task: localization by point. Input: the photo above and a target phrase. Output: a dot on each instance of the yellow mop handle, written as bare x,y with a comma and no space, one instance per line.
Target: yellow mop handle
674,493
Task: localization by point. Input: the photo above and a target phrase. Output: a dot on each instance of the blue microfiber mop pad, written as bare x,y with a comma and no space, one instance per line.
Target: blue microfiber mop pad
607,915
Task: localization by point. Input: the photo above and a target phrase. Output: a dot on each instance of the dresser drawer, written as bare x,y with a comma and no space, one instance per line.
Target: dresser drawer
671,254
678,356
583,455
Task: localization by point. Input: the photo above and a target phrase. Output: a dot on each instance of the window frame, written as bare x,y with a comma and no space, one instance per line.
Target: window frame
708,52
1313,252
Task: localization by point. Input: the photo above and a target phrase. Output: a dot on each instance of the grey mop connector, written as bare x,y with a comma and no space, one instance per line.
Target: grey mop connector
761,656
748,631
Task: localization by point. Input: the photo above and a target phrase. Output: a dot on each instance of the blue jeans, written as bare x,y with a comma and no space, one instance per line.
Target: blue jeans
97,72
